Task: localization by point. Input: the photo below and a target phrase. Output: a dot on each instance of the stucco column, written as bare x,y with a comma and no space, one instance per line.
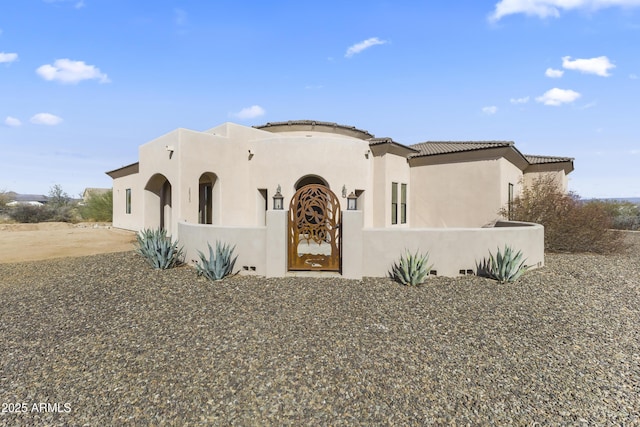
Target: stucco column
352,223
276,247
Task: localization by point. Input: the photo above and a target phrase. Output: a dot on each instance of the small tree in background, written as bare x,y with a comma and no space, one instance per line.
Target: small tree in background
569,224
62,206
98,207
58,197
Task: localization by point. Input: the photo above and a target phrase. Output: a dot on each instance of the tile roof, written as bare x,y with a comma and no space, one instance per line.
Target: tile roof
432,148
388,140
538,160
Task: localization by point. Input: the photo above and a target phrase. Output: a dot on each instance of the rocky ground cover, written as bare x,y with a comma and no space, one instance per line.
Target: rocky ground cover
105,340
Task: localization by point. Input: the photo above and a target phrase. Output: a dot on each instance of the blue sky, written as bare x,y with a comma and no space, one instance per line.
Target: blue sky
83,83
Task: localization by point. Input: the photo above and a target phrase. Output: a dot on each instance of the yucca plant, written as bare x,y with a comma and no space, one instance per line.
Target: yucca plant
504,267
219,265
412,269
158,249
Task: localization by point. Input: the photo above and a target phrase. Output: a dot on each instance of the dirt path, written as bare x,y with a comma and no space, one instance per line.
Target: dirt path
32,242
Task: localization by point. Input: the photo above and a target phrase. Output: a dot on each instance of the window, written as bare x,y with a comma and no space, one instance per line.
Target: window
128,200
510,202
403,203
394,203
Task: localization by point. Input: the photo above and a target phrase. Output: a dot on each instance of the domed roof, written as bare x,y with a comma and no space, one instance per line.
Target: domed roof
315,126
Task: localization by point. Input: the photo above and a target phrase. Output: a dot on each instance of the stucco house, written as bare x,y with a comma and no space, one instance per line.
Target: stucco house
309,195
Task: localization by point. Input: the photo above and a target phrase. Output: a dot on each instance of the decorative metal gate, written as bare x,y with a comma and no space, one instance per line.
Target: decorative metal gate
314,229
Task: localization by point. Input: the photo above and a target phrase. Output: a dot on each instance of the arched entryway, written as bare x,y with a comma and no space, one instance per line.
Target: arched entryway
208,199
158,202
314,241
310,179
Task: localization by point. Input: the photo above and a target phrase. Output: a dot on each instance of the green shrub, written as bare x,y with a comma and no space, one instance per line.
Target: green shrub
98,207
504,267
158,249
219,265
26,213
411,270
569,224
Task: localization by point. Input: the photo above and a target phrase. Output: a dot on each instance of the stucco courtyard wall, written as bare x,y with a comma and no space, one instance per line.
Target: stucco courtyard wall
450,249
249,242
368,252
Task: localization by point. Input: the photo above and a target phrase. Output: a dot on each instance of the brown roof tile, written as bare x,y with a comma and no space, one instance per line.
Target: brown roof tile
432,148
538,160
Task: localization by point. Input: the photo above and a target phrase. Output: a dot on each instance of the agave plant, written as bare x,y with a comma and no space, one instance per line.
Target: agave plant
219,265
158,249
504,267
412,269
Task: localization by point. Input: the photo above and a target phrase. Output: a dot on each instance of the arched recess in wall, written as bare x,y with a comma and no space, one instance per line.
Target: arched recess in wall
208,199
158,202
310,179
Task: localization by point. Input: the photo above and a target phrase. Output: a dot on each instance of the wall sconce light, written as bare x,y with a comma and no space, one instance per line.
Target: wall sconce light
352,200
277,200
344,191
250,154
366,155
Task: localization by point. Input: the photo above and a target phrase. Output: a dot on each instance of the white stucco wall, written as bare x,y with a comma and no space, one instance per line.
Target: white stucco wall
558,176
463,194
389,168
451,249
245,160
121,219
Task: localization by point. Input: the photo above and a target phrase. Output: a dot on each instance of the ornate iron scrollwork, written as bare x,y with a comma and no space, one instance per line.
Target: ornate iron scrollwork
314,229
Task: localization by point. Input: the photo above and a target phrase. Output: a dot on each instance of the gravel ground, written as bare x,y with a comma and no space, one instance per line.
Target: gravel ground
105,340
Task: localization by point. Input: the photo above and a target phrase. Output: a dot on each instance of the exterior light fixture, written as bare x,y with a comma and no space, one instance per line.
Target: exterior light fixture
352,200
277,200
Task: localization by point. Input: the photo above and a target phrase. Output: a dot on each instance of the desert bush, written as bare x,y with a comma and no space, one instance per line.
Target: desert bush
624,215
158,249
66,213
98,207
569,224
411,269
30,213
219,265
505,267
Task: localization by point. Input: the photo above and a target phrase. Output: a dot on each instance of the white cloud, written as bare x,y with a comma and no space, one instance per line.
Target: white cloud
523,100
12,121
633,76
599,66
250,112
46,119
589,105
359,47
8,57
558,97
554,74
490,110
68,71
552,8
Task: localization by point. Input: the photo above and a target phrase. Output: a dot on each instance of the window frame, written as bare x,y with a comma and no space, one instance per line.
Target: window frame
127,201
394,203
